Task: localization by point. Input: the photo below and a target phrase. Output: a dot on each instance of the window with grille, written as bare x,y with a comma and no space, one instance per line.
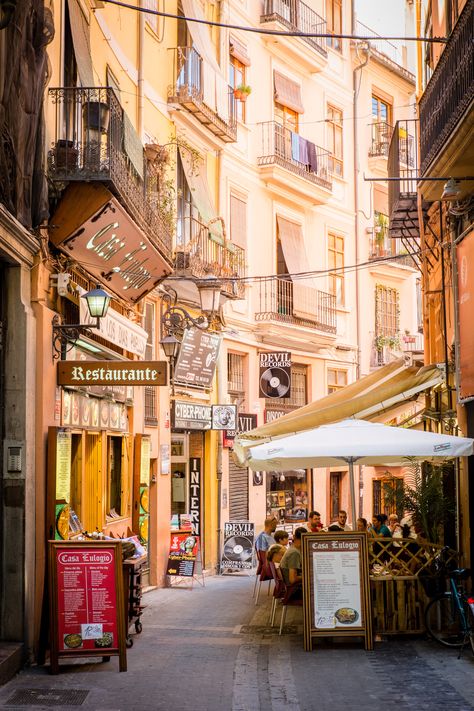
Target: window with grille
299,388
387,317
236,374
334,23
336,267
334,133
151,395
337,379
386,496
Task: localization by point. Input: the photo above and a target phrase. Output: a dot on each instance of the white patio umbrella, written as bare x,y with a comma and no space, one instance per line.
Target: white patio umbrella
351,441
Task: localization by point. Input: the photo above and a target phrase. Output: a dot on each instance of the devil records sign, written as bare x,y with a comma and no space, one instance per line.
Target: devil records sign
275,374
237,553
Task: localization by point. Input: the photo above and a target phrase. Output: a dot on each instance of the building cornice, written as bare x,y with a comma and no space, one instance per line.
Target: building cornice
16,241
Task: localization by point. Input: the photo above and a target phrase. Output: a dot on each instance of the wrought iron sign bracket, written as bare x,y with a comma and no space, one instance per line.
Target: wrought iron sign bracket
66,335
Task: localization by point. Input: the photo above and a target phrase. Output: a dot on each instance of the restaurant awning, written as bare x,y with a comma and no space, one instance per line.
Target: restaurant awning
380,390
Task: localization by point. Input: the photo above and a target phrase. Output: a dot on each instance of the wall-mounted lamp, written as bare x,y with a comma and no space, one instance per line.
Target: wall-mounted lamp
171,346
98,302
176,319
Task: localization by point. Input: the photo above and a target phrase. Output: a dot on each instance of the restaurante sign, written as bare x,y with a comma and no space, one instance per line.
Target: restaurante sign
104,372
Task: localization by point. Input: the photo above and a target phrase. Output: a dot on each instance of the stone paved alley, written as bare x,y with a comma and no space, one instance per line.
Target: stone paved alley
209,649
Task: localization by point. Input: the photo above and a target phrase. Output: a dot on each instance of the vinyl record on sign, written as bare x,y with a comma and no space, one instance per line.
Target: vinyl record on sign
274,382
238,548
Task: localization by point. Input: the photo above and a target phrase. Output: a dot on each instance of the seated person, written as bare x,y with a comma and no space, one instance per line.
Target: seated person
290,565
378,528
281,537
265,539
275,553
314,522
362,524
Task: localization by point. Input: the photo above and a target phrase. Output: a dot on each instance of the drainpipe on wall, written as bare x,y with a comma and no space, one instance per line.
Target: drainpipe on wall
356,183
221,374
140,76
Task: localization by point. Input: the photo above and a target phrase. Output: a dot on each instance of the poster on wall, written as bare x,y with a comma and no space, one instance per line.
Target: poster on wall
86,601
184,548
224,417
336,590
197,359
195,495
275,374
238,548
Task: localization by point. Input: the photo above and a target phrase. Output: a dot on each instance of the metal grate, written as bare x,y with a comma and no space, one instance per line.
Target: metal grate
47,697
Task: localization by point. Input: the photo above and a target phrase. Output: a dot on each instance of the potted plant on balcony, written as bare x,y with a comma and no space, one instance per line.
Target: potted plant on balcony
65,155
243,91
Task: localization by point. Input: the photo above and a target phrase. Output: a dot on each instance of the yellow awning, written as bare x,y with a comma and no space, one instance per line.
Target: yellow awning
362,399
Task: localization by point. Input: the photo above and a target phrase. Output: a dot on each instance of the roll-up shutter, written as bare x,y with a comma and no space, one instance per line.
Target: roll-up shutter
296,258
288,92
238,492
82,43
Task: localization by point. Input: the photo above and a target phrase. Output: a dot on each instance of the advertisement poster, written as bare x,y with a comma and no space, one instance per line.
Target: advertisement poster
197,358
246,421
337,586
238,547
275,374
86,599
183,554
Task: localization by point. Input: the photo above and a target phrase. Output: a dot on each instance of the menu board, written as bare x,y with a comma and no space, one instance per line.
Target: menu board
86,601
197,358
184,548
336,586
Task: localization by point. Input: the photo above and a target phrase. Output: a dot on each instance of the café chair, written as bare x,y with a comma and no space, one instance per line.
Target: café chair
278,590
263,575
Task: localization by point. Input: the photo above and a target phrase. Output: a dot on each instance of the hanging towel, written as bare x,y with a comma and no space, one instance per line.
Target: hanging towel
295,146
303,151
312,157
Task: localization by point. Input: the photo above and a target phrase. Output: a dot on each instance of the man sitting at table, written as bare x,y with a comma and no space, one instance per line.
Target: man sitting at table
265,539
314,522
290,565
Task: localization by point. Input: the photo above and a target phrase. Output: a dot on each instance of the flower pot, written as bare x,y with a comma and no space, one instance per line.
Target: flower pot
243,97
237,94
65,155
96,115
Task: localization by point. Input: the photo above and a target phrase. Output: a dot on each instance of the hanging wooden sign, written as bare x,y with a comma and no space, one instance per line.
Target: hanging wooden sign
336,587
115,372
87,607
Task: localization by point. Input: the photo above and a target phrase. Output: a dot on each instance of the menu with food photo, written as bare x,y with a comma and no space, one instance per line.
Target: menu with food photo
337,589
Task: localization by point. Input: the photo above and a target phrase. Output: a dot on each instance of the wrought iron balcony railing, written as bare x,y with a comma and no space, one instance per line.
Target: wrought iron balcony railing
402,160
450,90
385,51
212,102
93,140
413,342
296,15
199,253
293,152
381,134
279,300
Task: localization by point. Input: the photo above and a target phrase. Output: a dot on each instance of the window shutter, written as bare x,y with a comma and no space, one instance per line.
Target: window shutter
238,221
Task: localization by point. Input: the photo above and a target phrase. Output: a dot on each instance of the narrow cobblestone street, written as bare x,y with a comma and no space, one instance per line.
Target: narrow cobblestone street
210,649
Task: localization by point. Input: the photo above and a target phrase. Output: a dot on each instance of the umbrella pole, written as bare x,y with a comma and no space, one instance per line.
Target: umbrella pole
350,461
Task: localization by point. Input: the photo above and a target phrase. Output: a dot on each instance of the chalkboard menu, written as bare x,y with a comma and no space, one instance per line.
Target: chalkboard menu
184,547
87,606
336,586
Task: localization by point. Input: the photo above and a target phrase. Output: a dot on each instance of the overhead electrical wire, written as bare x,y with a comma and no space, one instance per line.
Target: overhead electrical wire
264,31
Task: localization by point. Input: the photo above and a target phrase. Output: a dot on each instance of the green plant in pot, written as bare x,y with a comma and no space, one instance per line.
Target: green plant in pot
243,90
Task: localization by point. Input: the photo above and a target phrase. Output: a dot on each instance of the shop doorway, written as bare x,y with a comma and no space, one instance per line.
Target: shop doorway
179,475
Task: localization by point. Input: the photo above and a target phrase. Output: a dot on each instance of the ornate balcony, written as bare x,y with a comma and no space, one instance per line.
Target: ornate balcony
446,106
279,300
93,140
402,193
296,16
381,134
290,163
213,104
200,253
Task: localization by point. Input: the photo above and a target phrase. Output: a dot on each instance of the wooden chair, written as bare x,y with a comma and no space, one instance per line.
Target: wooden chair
278,590
289,601
265,573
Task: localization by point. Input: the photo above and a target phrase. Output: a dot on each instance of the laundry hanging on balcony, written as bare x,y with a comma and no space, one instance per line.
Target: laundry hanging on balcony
214,84
304,290
304,152
196,178
82,44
